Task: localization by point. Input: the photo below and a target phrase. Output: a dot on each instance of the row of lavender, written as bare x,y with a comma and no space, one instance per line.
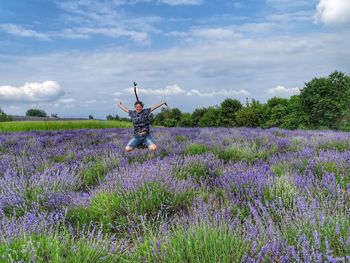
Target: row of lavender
228,195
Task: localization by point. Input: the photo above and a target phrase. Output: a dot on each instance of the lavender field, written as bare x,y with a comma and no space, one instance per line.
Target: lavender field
206,195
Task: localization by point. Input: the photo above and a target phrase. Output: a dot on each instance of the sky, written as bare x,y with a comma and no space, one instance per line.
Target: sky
80,57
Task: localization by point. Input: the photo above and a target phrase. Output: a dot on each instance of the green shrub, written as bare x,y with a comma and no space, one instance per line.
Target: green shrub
335,229
195,148
341,172
334,145
198,171
201,243
111,210
92,174
281,169
181,138
236,154
56,248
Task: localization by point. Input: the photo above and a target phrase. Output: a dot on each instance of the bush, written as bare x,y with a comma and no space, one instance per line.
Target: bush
195,148
4,117
114,210
36,113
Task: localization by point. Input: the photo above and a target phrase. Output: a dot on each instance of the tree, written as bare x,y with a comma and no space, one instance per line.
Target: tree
326,100
228,108
4,116
164,114
176,114
210,118
252,115
36,113
186,120
295,117
197,115
170,122
151,118
276,109
168,117
113,118
90,117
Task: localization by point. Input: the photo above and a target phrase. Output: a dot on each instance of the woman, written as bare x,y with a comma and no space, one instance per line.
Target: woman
141,123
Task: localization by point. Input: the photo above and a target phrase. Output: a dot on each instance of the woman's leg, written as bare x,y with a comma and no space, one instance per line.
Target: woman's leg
128,148
150,144
132,144
153,147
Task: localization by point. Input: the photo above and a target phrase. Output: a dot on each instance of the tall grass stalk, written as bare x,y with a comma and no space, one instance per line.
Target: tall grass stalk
21,126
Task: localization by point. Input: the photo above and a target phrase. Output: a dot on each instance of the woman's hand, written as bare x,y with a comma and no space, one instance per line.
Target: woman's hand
120,105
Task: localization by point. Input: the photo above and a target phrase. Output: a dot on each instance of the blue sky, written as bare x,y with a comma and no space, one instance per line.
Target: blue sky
79,57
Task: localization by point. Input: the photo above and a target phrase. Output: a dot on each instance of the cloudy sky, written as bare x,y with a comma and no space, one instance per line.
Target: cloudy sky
79,57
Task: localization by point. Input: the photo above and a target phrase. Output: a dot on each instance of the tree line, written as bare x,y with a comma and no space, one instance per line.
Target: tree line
323,103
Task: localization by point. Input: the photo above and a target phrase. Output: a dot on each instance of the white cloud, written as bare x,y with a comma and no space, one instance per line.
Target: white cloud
18,30
177,34
117,93
296,17
213,33
32,92
90,101
167,91
289,4
65,103
182,2
237,4
173,90
333,11
222,92
115,32
84,19
251,64
283,91
66,100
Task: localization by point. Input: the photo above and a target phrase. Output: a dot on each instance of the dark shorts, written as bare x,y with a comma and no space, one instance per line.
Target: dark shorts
138,140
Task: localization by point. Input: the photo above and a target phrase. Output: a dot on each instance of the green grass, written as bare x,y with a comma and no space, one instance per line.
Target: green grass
341,172
247,152
334,228
181,138
117,210
198,171
55,247
341,146
281,169
196,148
200,243
94,171
21,126
283,189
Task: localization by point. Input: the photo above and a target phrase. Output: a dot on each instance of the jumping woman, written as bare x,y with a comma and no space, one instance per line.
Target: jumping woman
141,123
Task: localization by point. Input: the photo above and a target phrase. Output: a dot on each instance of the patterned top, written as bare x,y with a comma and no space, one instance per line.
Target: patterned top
140,120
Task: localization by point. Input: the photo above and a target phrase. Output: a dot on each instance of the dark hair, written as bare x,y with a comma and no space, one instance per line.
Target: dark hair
138,102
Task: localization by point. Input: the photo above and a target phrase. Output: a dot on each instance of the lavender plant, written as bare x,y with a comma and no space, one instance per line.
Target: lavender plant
209,194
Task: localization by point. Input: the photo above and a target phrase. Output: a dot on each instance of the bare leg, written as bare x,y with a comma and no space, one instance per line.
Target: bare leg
128,149
153,147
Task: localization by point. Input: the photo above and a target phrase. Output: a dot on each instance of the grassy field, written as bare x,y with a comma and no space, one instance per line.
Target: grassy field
20,126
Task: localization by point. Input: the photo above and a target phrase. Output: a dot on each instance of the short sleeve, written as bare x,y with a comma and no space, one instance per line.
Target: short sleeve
130,113
148,110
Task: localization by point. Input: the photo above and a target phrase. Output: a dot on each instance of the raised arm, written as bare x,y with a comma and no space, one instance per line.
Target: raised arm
156,106
120,105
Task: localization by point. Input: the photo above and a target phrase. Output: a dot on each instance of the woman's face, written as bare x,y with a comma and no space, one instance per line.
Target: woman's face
138,108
